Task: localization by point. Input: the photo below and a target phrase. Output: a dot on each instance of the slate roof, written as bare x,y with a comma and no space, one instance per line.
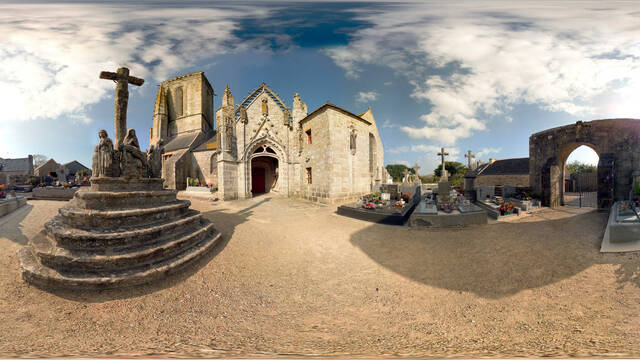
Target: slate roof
181,142
74,166
210,144
519,166
21,164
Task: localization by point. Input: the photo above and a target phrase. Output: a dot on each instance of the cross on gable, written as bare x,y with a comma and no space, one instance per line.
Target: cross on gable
122,79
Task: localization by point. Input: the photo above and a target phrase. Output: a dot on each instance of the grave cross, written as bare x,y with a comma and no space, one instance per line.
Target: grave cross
122,79
415,168
469,157
444,176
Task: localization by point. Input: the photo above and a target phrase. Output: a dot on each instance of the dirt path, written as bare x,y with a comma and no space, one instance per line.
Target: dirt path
292,277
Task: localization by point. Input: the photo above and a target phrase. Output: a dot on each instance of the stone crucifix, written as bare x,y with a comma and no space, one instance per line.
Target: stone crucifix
122,79
444,176
470,158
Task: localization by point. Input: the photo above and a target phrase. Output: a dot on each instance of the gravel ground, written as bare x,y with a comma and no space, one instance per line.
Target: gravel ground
293,278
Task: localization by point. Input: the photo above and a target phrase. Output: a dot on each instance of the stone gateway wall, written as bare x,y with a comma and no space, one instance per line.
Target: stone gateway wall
617,143
499,180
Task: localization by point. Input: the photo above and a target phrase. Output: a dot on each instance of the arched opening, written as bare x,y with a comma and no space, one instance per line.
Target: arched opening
580,176
264,174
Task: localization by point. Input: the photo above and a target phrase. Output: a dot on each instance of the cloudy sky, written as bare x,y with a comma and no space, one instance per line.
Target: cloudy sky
480,76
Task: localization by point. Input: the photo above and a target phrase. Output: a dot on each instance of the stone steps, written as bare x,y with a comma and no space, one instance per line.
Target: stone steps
77,239
112,200
69,261
103,220
34,272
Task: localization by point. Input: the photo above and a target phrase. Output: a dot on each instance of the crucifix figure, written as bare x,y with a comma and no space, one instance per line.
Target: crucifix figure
444,176
469,157
122,79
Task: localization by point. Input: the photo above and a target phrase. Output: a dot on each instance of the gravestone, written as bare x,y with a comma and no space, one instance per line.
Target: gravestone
392,189
444,187
508,191
485,192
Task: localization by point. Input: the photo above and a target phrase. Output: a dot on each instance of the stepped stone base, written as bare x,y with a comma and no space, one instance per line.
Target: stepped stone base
120,232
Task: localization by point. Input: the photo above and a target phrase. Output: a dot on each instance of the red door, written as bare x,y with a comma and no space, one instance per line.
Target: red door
257,180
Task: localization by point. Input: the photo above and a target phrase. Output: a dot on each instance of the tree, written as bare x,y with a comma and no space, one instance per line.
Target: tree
396,171
576,167
453,168
39,159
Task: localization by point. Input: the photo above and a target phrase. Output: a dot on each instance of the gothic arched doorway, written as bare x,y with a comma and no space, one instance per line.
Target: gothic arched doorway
264,171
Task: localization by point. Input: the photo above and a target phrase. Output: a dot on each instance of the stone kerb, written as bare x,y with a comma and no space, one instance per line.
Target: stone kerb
54,193
10,204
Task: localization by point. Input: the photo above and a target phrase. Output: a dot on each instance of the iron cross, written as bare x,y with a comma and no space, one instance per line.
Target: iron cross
469,157
122,79
442,154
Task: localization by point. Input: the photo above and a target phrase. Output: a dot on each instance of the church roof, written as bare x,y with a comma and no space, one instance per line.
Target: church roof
255,93
21,164
211,144
182,141
336,107
518,166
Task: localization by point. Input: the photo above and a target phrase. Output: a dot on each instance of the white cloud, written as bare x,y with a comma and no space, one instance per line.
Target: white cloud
397,150
486,151
387,124
51,55
474,63
367,97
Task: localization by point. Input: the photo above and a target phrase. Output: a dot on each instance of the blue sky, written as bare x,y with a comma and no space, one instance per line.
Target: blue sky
480,76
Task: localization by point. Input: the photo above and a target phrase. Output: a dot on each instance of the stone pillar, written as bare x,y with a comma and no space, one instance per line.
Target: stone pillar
469,184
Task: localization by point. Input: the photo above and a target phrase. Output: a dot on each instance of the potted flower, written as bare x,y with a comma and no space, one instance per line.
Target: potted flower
370,206
507,208
2,193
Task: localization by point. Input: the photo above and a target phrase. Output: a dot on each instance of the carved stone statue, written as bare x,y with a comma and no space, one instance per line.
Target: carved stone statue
134,161
154,161
352,140
265,107
103,156
243,115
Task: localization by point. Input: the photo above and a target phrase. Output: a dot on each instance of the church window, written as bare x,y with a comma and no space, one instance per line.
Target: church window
309,178
270,150
308,132
178,101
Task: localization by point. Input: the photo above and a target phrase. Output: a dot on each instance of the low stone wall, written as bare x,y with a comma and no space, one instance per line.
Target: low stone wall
54,193
8,205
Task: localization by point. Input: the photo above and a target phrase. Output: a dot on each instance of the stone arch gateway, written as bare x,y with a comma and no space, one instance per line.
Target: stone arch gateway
617,143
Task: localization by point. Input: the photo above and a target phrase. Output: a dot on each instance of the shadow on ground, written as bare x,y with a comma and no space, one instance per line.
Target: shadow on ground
224,222
498,260
12,221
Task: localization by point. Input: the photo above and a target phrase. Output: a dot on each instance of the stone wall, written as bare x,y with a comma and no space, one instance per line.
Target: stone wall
204,165
497,180
317,157
176,168
617,141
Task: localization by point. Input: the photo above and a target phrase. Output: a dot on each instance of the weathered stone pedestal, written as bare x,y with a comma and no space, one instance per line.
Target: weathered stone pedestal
120,232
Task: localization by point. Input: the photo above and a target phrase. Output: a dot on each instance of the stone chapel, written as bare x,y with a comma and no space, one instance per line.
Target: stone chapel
261,145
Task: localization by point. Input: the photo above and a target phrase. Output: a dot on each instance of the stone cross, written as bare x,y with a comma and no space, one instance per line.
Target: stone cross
469,157
444,176
122,79
415,168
